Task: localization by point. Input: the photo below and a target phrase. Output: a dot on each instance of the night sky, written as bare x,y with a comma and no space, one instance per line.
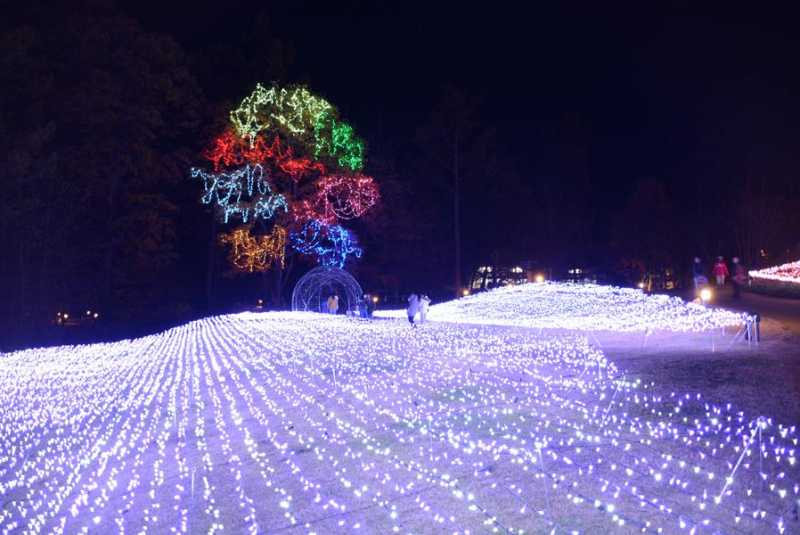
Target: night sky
649,86
681,94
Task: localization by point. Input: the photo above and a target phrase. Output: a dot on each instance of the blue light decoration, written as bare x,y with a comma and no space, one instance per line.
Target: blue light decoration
227,190
330,244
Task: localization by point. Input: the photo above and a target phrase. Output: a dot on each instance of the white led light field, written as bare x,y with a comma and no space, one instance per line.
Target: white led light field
788,273
587,307
309,423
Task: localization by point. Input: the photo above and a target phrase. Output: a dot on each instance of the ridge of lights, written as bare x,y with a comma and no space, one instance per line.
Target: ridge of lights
789,272
580,307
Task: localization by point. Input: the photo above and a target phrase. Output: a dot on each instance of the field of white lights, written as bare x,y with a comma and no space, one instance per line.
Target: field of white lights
310,423
787,273
583,307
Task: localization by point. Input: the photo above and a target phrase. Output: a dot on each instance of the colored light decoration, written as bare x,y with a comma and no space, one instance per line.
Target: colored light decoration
243,192
337,140
230,149
303,117
330,244
250,253
338,197
294,111
287,157
270,422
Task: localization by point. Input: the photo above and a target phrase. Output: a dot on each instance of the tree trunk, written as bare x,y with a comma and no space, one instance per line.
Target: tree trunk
457,216
210,264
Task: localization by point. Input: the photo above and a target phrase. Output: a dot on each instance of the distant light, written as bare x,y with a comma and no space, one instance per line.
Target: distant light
88,312
641,285
374,298
706,295
539,278
465,292
96,315
66,316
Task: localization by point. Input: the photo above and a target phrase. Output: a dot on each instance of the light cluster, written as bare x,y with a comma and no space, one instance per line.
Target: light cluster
308,423
243,192
330,244
288,159
299,114
338,197
230,149
582,307
789,272
255,253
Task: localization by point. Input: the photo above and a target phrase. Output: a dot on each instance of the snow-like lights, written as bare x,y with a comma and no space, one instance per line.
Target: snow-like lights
784,273
262,422
583,307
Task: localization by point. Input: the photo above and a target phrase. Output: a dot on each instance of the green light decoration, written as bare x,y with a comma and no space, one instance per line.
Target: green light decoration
336,140
302,116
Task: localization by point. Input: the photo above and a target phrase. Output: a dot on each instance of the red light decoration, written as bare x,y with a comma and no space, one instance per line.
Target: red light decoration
229,149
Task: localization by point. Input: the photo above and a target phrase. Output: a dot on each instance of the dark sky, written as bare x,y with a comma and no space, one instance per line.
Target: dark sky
646,85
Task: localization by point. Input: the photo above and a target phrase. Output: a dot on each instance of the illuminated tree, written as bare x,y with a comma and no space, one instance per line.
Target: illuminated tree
288,170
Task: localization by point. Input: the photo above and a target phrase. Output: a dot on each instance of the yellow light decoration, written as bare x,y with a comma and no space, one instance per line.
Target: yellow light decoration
255,253
294,110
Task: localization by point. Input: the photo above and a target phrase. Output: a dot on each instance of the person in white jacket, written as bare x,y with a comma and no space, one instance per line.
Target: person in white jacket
413,308
424,302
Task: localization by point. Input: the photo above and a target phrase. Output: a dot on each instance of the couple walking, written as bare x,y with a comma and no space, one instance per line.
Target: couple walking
417,304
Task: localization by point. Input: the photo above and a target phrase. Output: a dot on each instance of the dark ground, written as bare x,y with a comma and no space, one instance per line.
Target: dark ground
759,379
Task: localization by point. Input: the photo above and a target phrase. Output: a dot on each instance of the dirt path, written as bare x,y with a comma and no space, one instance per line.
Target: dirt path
762,379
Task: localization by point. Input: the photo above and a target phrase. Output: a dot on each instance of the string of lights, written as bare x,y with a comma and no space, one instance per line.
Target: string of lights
241,192
338,197
330,244
263,422
250,253
302,116
230,149
789,272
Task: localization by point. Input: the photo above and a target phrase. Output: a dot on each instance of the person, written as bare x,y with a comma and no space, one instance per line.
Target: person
698,273
413,308
739,278
333,304
424,301
720,271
